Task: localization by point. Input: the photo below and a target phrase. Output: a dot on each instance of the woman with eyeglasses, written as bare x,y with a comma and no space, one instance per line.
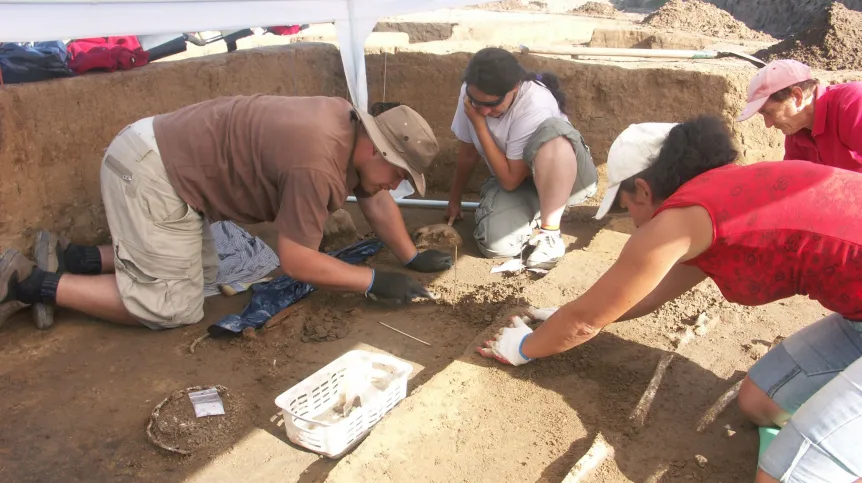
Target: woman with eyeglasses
516,121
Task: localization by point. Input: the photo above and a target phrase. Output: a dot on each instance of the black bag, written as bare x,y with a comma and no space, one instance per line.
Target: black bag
31,62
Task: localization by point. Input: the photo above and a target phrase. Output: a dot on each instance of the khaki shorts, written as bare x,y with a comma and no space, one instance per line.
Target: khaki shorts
505,219
163,249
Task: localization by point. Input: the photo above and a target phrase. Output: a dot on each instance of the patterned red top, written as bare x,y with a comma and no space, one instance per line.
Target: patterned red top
782,229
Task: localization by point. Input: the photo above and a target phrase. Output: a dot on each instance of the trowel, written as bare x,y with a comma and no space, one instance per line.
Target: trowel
653,53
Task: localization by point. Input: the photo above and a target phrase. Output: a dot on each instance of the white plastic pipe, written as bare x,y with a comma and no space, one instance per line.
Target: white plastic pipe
614,52
465,205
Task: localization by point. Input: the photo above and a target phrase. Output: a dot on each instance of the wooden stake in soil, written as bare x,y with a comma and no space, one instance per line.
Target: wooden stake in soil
596,455
455,266
640,412
721,404
659,474
639,415
718,407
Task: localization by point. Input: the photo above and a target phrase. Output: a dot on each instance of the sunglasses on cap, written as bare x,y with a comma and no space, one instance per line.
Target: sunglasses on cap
478,103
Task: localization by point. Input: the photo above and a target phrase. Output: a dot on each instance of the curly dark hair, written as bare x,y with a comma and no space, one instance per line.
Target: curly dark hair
691,149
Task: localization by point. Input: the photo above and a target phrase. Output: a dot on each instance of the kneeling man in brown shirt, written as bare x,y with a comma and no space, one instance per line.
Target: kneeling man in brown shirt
249,159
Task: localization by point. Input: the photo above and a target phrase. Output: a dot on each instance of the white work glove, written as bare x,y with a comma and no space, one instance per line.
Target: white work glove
507,343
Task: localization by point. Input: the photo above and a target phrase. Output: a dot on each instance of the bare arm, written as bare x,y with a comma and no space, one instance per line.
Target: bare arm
385,219
468,156
678,281
321,270
655,248
510,173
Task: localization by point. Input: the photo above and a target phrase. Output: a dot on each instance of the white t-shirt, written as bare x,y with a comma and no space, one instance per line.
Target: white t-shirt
533,104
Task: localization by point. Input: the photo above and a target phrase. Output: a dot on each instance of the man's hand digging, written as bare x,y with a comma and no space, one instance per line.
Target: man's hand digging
396,287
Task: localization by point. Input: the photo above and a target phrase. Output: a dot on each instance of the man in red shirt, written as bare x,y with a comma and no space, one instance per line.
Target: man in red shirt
823,124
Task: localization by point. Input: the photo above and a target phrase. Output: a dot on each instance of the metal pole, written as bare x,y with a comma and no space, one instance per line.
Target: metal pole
465,205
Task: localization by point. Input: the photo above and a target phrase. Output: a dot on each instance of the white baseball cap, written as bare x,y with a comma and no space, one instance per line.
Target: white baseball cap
631,153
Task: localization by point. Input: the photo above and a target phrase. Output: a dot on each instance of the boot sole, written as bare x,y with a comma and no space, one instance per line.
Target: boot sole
5,262
46,259
8,308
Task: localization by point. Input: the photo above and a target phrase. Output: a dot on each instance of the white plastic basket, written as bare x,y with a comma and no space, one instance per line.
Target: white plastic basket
311,408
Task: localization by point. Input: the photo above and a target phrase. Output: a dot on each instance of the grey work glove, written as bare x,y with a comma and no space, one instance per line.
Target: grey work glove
397,287
430,261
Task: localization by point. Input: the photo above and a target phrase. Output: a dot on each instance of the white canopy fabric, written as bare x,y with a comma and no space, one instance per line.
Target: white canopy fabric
38,20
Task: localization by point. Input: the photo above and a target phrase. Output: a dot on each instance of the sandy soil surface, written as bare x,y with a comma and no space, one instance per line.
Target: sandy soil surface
831,42
77,398
479,421
598,9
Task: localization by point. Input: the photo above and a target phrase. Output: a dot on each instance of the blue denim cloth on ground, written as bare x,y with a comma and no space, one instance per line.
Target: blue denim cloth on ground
272,297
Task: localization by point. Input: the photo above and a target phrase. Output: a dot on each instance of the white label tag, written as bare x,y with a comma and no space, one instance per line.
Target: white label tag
207,403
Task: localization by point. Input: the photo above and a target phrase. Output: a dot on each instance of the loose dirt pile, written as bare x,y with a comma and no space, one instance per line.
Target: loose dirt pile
439,236
832,42
177,425
703,18
779,18
596,9
338,231
325,325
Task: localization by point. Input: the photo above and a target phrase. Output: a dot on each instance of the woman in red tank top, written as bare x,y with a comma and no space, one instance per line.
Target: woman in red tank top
762,233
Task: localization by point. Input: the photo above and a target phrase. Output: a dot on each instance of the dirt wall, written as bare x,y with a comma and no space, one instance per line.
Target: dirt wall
641,38
418,31
780,18
603,99
52,133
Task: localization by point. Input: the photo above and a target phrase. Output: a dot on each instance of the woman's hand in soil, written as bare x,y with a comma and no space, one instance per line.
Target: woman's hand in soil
506,344
430,261
396,287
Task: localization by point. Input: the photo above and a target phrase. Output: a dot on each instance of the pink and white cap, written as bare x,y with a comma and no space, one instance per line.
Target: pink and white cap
770,79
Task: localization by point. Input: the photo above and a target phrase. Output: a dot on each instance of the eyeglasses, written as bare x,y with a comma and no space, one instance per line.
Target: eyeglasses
478,103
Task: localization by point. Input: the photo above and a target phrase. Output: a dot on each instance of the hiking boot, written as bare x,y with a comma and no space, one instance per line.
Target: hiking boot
14,267
548,250
49,257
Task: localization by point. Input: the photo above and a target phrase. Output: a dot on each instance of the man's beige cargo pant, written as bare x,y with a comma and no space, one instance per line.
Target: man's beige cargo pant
163,249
